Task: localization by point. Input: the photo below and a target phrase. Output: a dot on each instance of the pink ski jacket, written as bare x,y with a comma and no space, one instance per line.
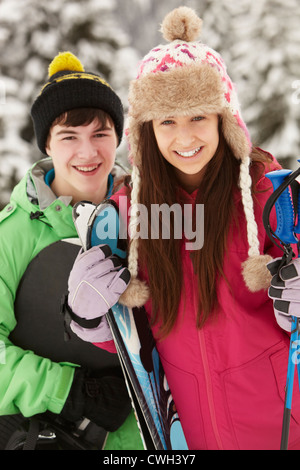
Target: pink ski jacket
228,378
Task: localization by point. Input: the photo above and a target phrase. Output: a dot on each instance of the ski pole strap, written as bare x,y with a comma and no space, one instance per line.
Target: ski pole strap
66,310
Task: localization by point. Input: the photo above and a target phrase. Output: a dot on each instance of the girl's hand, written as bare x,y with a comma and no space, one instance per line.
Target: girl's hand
285,291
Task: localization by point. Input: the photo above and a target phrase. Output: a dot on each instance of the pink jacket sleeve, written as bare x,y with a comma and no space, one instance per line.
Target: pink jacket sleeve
108,346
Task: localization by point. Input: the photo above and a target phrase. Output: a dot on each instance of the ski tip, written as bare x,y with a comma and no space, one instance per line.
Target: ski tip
83,208
82,214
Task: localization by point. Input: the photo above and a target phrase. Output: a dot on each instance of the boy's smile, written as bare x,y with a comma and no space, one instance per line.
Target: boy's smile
87,169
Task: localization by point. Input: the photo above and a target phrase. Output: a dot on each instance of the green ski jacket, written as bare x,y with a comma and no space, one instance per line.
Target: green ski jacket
31,384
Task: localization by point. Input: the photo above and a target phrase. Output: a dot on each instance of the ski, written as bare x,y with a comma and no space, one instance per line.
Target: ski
151,397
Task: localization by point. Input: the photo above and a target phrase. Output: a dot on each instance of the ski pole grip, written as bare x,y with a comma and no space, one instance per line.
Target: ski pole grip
285,215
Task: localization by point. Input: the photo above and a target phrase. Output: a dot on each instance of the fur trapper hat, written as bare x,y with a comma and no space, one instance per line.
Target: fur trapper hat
186,77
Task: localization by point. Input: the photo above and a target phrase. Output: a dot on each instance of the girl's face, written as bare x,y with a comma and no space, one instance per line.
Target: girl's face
188,143
83,157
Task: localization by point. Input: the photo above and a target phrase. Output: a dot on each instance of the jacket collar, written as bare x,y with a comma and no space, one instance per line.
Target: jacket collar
38,191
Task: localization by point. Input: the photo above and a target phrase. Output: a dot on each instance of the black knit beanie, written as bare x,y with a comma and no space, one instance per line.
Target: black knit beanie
70,87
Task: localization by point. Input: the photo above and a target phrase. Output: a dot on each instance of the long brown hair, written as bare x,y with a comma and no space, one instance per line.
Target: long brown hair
161,257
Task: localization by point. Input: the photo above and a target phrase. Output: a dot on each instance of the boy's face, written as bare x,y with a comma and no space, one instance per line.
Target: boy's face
83,157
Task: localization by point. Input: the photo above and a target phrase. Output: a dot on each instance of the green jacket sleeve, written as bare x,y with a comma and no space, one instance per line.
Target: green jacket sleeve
29,384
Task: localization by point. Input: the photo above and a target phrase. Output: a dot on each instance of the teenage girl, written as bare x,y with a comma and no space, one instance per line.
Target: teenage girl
223,352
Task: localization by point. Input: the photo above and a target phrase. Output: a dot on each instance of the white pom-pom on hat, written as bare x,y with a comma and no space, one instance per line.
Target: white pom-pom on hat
181,23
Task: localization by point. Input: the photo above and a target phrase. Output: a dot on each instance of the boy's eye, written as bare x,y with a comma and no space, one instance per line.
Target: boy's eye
106,132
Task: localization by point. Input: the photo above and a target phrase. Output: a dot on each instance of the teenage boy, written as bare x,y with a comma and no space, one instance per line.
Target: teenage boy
70,387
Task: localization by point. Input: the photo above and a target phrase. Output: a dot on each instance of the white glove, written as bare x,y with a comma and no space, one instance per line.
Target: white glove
285,291
96,283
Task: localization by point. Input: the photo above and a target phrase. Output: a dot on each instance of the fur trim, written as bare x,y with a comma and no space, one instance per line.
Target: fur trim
255,272
236,136
181,23
136,294
187,90
182,90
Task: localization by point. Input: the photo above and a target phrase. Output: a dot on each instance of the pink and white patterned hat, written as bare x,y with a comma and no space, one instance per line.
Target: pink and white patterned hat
186,77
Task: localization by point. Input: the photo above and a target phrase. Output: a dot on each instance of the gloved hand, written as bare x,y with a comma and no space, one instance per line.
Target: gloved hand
285,291
96,283
104,400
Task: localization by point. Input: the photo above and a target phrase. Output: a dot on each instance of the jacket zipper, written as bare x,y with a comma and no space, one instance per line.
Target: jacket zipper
208,383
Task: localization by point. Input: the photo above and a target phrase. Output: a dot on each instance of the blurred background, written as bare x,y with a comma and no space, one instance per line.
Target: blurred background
260,42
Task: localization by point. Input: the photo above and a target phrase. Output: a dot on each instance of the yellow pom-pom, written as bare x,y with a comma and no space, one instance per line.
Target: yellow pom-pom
65,61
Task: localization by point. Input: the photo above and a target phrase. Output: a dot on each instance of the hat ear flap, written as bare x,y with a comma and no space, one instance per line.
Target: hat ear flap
254,270
236,134
137,292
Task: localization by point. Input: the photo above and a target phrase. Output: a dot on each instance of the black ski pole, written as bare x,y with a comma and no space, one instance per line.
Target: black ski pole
286,199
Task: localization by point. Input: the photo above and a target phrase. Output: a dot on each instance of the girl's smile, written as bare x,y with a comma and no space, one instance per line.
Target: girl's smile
190,154
188,143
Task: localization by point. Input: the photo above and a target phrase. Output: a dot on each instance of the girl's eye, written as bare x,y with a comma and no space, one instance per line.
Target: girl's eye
167,122
198,118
